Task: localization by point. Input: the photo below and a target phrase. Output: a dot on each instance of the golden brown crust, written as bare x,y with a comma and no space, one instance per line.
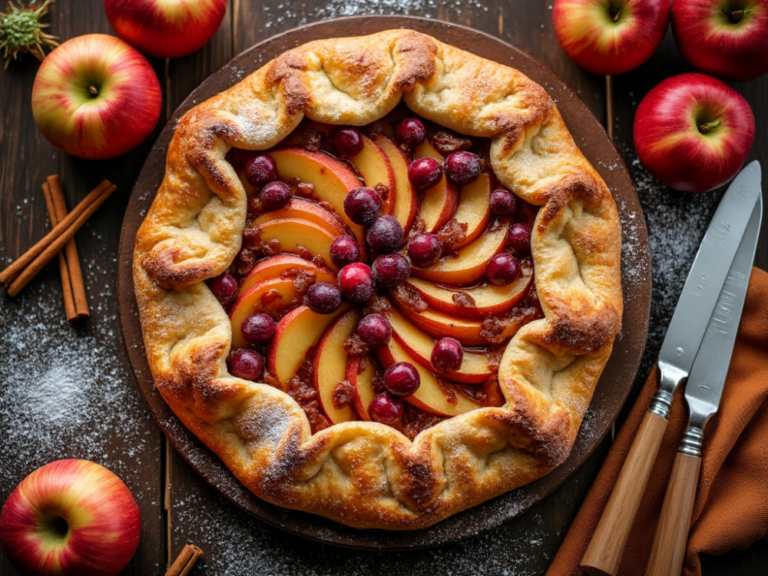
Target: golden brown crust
360,473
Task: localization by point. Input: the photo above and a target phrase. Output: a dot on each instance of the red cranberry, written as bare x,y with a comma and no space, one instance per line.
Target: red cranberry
503,202
402,379
385,235
260,170
411,131
425,249
246,364
348,141
375,330
447,355
362,205
391,270
224,287
323,298
356,282
258,328
502,269
275,196
519,237
344,250
386,409
463,167
424,173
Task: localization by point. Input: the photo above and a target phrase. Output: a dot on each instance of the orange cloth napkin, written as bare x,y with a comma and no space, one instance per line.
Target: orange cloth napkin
731,508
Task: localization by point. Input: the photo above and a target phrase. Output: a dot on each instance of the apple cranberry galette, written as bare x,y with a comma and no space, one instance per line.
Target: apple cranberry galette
376,311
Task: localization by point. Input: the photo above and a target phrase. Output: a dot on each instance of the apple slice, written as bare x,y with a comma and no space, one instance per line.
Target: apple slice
474,208
330,178
467,265
438,324
432,396
403,203
439,202
266,296
474,369
375,168
489,299
274,266
295,335
331,366
302,209
362,382
299,237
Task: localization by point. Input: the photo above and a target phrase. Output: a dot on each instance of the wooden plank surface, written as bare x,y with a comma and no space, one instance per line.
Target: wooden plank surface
50,410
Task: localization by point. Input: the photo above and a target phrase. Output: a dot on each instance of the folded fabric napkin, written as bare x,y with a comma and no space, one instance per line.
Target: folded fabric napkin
731,508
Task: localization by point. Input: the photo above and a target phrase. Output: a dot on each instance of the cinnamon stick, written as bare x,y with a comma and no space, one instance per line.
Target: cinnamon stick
15,277
185,561
70,251
66,287
8,275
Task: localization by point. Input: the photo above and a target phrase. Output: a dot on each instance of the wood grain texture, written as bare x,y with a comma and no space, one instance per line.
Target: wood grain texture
605,550
668,550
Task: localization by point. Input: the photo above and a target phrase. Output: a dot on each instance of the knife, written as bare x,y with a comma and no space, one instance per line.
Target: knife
702,394
678,351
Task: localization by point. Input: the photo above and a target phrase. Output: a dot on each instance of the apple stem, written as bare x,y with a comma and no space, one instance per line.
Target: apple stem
737,15
704,128
616,16
93,90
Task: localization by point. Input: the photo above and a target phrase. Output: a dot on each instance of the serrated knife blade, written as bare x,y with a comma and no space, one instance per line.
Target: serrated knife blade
707,379
702,287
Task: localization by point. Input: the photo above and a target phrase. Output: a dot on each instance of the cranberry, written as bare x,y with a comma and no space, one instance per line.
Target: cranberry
348,141
224,287
385,235
503,202
344,250
463,167
362,205
323,298
258,328
519,237
375,330
275,196
260,170
356,282
391,270
424,173
502,269
425,249
386,409
447,355
246,364
402,379
411,131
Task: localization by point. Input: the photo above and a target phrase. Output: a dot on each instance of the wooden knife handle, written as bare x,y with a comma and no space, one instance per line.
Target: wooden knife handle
668,551
603,555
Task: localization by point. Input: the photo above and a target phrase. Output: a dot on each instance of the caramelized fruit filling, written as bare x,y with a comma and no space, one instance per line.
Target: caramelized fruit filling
383,270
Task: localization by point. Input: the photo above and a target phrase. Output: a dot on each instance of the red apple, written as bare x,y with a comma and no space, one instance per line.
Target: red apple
166,28
610,37
724,38
70,518
95,97
693,132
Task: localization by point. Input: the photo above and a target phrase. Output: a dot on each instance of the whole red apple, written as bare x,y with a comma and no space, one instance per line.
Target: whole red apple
693,132
70,518
95,97
722,37
166,28
610,37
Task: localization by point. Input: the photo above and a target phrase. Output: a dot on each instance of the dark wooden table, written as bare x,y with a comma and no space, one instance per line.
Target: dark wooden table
67,391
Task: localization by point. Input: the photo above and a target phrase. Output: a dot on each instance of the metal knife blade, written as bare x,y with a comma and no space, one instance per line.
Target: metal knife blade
707,378
705,280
